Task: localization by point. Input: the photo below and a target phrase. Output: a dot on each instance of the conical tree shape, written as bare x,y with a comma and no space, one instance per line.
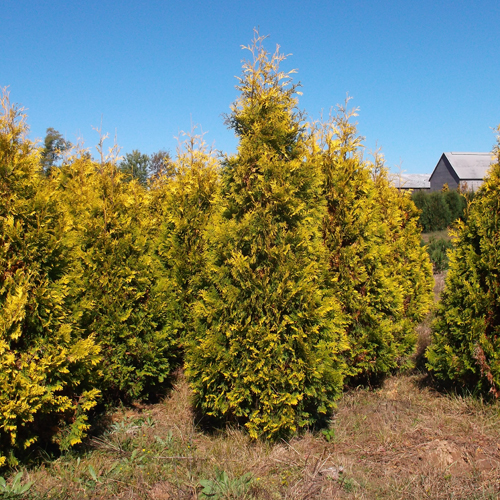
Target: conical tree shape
45,361
465,347
365,226
118,287
268,335
408,262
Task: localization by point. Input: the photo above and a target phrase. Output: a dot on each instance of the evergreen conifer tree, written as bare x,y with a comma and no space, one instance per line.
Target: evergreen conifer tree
118,287
45,360
185,207
361,230
465,347
268,336
407,261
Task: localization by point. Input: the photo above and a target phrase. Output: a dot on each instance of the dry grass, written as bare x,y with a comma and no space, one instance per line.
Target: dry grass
414,443
401,441
424,328
444,234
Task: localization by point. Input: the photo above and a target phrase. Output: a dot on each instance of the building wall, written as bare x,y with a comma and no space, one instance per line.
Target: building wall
443,174
470,185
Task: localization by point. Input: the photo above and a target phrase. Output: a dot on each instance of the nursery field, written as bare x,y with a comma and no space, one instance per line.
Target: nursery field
403,440
255,325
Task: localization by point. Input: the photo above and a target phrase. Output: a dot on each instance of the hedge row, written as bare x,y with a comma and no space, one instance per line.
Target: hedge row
273,277
440,209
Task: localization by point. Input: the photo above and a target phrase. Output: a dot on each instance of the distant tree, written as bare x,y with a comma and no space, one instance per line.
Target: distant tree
54,146
135,166
435,212
160,164
457,203
440,209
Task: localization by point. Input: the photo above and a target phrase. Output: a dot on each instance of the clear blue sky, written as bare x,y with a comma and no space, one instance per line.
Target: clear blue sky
425,74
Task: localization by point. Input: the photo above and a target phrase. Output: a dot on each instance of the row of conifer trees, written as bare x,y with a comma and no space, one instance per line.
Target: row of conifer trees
440,209
272,275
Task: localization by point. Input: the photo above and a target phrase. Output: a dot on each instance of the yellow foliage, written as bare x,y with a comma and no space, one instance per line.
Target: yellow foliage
44,361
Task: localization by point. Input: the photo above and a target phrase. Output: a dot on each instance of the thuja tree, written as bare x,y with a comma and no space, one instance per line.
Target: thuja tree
45,360
435,213
117,284
465,346
439,209
361,230
185,204
268,336
408,262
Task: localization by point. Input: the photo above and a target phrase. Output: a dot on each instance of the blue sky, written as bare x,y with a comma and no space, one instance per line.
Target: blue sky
425,74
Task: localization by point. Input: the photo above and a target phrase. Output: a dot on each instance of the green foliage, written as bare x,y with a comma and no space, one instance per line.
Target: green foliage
45,360
457,204
436,214
135,165
465,346
54,146
186,201
329,434
15,489
224,488
142,167
376,266
408,262
439,209
118,289
268,335
438,253
160,165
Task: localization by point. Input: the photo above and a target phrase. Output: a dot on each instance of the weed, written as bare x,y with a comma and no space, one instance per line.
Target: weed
347,483
93,474
15,489
224,488
328,434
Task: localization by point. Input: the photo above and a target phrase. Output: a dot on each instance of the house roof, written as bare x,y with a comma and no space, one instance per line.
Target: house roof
469,165
411,181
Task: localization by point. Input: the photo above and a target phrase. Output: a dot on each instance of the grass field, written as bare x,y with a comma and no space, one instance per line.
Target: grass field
403,440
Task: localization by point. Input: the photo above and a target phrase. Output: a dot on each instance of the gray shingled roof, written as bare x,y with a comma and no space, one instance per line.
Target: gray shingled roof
470,165
411,181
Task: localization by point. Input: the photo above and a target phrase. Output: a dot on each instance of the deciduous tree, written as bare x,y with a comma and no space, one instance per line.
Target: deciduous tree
135,165
54,146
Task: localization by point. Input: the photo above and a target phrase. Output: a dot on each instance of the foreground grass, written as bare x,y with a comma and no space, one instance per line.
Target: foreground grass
403,440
